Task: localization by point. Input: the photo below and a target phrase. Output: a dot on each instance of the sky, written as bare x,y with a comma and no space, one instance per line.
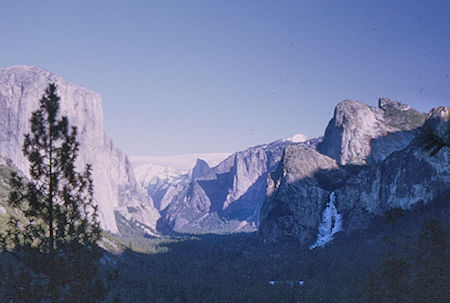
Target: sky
182,77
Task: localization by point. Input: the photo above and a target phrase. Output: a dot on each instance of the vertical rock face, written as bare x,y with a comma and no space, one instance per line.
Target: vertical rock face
358,133
385,175
227,197
21,88
405,178
297,194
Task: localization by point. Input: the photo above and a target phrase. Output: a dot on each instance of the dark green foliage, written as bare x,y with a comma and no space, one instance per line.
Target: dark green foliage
54,231
238,267
393,214
19,286
404,119
5,173
431,262
391,283
419,272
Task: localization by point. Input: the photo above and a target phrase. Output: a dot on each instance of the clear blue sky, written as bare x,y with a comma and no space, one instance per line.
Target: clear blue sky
219,76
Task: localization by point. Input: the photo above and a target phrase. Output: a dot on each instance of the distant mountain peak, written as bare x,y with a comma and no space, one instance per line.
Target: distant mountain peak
25,68
182,162
201,168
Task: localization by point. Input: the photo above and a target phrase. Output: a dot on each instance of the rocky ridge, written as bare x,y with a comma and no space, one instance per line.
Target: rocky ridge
370,160
360,134
228,196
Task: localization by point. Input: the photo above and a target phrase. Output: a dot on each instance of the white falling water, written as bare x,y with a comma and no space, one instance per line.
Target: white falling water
331,223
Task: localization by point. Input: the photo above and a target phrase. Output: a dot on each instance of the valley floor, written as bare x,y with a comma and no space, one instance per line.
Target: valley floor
240,268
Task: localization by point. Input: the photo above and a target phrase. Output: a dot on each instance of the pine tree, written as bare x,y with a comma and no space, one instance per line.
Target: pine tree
55,231
418,274
431,261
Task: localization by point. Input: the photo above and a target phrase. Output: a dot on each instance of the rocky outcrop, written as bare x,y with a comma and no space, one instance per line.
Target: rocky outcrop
404,179
359,133
164,176
309,187
438,124
227,197
297,193
21,87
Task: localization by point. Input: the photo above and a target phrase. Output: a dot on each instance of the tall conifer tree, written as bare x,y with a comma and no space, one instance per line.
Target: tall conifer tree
55,231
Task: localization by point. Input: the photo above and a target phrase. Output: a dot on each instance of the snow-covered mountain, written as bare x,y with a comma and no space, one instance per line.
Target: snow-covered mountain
115,186
180,162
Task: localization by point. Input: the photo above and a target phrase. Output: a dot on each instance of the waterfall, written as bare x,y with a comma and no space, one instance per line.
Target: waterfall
330,224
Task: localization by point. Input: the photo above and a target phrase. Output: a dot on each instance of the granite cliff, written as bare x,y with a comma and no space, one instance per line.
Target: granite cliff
361,134
228,196
370,160
116,189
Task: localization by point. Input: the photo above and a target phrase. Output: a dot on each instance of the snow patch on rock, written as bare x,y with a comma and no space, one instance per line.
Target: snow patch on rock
297,138
179,162
151,174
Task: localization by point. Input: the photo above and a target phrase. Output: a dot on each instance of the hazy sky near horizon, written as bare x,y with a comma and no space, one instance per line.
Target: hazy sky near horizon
219,76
